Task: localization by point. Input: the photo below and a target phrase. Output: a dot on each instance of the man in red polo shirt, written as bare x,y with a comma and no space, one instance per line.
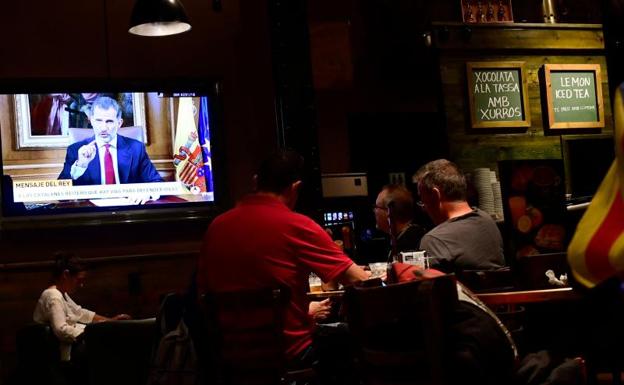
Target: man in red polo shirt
262,242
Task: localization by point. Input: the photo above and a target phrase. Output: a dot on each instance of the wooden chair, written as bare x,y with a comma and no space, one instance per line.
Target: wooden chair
242,342
118,352
530,270
604,316
38,358
401,330
483,281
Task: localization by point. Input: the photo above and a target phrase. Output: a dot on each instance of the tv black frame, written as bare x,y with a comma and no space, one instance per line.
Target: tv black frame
566,155
180,212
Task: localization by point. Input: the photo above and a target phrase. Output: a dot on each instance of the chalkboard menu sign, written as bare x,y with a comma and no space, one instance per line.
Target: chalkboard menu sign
497,92
574,96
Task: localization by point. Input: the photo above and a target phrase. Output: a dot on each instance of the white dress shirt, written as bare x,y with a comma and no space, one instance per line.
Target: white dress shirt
64,316
76,171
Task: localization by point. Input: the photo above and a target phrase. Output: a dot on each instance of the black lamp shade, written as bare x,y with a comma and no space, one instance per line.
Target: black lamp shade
158,18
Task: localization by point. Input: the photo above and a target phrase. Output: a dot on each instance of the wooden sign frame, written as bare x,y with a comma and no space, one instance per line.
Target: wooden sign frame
595,69
517,66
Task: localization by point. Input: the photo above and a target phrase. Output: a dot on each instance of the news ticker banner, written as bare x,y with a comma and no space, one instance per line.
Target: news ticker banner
59,190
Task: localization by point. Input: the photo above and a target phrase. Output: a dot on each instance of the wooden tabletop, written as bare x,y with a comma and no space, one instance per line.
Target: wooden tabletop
529,296
317,295
498,298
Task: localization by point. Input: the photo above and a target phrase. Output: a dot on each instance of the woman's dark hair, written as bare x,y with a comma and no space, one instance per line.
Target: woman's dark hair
67,261
279,171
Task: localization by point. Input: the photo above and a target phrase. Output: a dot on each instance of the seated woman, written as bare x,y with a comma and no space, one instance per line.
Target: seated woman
56,308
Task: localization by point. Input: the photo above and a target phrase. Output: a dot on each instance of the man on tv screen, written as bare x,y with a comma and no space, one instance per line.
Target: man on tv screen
108,158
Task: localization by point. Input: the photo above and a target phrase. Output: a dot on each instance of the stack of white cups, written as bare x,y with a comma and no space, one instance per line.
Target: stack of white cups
483,184
498,200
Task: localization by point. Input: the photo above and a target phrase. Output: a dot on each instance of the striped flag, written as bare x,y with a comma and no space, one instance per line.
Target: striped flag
188,158
596,252
203,132
190,171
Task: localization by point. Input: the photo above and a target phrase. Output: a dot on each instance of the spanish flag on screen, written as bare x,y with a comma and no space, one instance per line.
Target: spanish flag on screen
188,158
596,252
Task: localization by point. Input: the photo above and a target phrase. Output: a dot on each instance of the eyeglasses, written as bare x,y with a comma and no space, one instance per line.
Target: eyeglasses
107,122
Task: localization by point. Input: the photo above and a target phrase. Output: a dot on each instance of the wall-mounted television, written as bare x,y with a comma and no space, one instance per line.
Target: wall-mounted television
586,159
100,153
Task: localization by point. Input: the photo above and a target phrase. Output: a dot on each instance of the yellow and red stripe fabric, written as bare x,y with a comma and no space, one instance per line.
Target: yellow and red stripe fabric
596,251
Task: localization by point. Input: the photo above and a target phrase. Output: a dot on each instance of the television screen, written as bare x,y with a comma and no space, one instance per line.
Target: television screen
587,159
68,152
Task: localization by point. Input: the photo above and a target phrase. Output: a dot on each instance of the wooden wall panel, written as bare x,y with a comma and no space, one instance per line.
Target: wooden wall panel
525,36
472,148
44,39
377,65
133,286
207,49
88,39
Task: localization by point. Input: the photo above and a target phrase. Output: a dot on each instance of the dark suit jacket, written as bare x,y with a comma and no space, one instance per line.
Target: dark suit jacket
134,166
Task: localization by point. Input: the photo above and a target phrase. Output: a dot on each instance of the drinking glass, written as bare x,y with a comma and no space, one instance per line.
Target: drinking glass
378,269
315,283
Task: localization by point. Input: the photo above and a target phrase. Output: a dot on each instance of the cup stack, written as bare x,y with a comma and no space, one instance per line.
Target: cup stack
498,201
483,185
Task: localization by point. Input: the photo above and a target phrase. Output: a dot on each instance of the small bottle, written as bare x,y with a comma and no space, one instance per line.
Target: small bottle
490,11
470,18
502,12
480,13
549,11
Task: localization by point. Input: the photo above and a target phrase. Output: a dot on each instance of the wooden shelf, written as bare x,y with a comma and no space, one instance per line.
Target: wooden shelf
518,36
573,26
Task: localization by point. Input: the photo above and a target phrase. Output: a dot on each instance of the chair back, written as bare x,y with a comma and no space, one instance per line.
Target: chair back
38,356
36,341
244,336
401,330
531,270
118,352
483,281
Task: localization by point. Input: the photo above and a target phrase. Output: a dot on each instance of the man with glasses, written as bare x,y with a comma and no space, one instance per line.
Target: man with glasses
119,159
397,201
464,238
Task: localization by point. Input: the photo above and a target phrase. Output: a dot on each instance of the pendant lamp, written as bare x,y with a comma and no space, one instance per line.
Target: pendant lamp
158,18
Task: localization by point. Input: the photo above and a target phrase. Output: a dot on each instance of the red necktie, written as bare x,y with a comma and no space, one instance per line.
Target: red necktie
109,171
